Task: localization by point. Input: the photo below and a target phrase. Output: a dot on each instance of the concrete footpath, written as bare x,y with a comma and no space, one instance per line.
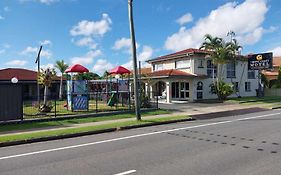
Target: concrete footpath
194,110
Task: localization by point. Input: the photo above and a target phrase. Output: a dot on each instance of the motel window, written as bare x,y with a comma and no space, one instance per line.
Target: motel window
247,86
157,67
200,65
211,69
251,74
231,73
182,64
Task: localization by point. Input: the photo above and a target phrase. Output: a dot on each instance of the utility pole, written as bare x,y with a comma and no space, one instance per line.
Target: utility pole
134,55
38,74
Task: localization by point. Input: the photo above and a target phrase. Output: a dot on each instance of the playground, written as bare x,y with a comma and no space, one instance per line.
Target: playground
90,96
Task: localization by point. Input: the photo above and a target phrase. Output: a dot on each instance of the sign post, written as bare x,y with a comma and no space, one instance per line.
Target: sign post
262,61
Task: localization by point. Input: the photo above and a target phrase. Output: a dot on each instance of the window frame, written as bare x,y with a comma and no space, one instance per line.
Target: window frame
183,66
231,70
210,67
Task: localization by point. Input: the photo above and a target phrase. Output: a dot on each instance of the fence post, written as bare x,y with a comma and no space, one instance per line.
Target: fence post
55,107
156,102
96,101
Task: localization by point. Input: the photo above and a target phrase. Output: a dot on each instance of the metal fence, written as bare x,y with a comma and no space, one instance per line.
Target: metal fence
98,102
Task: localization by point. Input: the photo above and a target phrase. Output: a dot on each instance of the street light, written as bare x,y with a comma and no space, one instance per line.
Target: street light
134,54
14,80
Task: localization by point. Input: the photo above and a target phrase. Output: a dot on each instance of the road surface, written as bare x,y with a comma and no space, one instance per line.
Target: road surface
246,144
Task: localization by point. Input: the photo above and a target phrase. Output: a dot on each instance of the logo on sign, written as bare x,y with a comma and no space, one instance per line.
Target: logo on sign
259,57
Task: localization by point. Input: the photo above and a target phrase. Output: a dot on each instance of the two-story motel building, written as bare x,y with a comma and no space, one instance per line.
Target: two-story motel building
187,75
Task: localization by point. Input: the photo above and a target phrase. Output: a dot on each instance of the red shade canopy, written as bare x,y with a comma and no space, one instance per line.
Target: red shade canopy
119,70
77,68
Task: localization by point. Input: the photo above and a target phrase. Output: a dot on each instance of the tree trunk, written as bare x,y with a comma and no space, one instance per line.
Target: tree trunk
45,95
60,94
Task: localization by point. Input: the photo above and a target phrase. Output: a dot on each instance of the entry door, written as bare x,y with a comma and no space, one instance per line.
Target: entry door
180,90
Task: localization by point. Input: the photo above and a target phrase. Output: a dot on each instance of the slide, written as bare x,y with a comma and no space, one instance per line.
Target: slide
112,100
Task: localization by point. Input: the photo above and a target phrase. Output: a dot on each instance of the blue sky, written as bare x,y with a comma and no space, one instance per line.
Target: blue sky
95,33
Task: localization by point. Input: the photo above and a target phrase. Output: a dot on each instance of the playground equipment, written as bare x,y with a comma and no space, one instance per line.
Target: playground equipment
121,85
77,91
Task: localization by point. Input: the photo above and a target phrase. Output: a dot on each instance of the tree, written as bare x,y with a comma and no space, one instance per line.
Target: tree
221,52
61,66
87,76
46,78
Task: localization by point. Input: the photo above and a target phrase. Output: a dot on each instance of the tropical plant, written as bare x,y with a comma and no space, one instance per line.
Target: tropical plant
264,80
46,78
222,89
61,66
221,52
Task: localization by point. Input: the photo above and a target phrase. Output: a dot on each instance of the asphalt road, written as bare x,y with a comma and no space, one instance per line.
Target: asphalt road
245,145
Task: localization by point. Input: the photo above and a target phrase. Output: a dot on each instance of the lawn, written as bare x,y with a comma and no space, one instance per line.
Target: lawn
17,137
69,122
30,109
269,101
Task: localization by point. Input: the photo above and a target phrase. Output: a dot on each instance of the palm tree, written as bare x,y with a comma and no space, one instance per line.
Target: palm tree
61,66
221,52
46,78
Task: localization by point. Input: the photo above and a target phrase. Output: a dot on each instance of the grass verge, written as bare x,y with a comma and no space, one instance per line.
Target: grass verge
60,132
69,122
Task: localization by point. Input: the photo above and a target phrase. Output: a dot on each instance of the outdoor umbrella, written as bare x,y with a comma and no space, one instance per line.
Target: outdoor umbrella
76,68
119,70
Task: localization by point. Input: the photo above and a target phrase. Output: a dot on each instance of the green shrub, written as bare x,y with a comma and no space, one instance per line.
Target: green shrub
222,89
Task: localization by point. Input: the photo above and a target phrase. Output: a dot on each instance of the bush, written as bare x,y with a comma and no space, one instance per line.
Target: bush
144,101
46,108
222,89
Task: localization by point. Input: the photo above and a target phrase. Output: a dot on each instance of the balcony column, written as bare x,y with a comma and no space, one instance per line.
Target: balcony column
168,92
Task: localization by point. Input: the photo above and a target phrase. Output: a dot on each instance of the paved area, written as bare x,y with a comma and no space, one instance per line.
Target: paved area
246,144
188,109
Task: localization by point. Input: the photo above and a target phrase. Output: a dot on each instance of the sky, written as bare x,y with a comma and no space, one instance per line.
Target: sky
95,33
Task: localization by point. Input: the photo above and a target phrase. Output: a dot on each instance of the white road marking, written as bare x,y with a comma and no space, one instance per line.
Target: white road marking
132,136
126,172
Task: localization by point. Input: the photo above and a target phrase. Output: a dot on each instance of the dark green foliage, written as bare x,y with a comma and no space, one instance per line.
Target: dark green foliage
222,89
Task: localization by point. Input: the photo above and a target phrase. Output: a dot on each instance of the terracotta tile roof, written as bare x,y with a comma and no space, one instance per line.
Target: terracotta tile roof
146,70
172,73
180,53
21,74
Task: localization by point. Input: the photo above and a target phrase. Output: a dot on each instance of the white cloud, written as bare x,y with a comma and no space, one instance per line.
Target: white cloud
6,9
87,41
49,65
101,66
86,59
244,19
185,19
92,28
124,44
47,2
1,17
33,50
7,46
29,50
17,63
45,42
144,55
276,51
